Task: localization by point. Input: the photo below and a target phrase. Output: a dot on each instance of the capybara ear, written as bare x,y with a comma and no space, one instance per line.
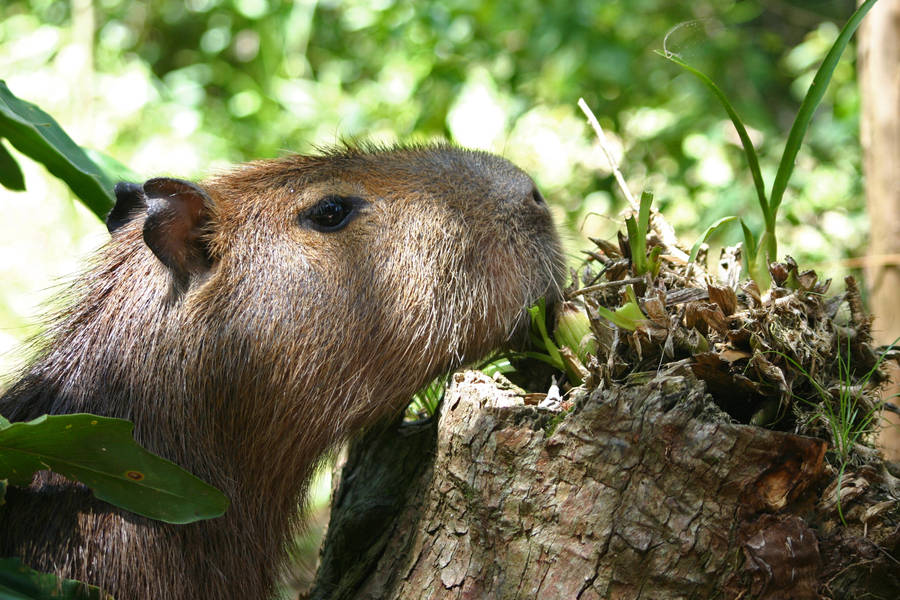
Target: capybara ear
177,212
129,201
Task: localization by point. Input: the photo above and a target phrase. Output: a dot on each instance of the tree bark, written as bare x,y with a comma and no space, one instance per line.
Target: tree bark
879,80
644,491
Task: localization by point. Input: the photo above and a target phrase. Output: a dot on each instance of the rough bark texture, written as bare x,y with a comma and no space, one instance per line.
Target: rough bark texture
879,79
647,491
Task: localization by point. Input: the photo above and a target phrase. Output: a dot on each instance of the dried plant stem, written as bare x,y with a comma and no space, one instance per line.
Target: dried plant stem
620,179
664,230
605,285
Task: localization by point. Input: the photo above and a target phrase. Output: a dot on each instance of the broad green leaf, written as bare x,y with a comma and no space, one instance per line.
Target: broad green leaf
804,115
37,135
709,230
114,170
11,176
19,582
101,453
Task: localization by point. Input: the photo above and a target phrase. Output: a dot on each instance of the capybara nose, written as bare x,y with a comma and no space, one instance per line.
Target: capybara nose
536,197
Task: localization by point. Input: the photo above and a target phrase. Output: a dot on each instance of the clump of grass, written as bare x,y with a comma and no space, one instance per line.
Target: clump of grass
847,420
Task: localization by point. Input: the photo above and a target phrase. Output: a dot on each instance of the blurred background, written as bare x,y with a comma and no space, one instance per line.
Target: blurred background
188,88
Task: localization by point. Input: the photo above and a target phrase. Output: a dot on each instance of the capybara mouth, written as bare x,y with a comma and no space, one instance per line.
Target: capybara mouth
552,297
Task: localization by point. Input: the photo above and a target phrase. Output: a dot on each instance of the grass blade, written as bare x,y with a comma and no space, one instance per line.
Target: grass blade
644,214
638,246
749,150
807,108
709,230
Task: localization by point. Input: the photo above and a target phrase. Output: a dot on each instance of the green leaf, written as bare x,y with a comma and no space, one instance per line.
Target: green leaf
749,150
19,582
573,331
749,243
114,170
427,399
637,235
631,296
34,133
754,259
101,453
538,314
637,239
546,358
653,260
804,116
709,230
626,316
644,214
11,176
637,245
497,365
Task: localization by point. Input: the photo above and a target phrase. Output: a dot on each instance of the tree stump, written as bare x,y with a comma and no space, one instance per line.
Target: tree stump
644,491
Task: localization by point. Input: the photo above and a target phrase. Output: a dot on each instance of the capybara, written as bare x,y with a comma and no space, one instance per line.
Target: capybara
249,323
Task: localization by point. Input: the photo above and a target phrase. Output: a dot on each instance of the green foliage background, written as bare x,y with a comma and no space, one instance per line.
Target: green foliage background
188,88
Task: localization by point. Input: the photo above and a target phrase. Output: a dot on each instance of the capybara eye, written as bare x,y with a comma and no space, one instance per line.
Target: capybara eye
331,213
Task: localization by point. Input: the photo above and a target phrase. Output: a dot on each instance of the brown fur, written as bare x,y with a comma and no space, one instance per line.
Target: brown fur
285,343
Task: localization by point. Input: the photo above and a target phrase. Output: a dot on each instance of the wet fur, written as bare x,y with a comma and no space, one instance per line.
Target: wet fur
288,342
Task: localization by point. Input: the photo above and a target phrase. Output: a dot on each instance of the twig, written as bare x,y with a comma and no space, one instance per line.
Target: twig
605,285
609,157
659,224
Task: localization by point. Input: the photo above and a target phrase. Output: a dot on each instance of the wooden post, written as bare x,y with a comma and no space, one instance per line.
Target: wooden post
879,80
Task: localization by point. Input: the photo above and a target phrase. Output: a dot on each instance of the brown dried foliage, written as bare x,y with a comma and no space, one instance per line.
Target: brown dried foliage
749,349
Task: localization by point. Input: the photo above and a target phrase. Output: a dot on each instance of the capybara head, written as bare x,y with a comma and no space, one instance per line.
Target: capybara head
247,323
362,272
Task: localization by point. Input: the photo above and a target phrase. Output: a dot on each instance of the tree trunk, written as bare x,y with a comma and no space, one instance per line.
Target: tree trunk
879,79
644,491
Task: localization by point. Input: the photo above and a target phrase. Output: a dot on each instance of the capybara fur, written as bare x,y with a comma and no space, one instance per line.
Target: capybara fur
249,323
